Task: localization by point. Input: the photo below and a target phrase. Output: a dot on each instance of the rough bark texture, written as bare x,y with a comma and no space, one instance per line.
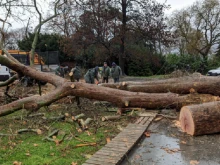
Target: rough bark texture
201,119
203,84
119,98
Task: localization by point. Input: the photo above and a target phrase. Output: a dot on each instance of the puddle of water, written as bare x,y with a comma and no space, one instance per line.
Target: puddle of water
169,146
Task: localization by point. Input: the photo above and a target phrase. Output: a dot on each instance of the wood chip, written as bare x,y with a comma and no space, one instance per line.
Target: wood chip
72,86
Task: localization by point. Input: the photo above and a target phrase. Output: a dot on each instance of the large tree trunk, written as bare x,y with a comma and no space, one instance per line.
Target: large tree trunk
203,84
119,98
201,119
122,56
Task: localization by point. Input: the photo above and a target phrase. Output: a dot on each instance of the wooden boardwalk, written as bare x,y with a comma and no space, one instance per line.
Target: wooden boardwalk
115,151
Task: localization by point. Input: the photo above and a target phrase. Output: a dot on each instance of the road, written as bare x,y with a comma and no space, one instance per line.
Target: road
167,145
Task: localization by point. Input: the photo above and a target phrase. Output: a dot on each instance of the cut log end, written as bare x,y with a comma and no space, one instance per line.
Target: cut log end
186,121
124,83
72,86
126,103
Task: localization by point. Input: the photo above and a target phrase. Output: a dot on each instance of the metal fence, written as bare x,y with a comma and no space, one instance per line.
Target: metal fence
49,57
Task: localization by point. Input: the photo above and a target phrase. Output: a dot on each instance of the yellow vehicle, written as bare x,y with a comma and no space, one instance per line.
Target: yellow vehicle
24,57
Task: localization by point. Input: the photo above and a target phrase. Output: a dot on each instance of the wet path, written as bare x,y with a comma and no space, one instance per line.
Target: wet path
168,146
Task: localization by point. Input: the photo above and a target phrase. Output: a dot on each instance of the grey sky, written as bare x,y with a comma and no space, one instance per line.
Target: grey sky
177,4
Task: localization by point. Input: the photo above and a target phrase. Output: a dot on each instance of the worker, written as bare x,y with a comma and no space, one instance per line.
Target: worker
60,71
115,72
91,75
75,74
105,73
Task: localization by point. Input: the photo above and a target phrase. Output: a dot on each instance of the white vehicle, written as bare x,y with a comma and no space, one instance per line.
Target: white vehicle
214,72
4,73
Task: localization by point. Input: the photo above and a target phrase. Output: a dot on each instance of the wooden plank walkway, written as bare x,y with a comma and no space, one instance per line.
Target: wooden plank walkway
115,151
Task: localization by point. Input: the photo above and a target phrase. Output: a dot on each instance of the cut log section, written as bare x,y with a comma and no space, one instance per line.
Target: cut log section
105,118
201,119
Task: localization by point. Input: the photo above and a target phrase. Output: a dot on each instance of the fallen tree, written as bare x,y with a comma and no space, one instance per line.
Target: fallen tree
200,119
117,97
201,84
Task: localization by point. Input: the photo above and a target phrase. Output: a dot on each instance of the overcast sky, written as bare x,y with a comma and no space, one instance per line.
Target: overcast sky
177,4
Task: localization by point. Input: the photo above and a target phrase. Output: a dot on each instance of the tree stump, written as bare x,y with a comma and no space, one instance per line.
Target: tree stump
200,119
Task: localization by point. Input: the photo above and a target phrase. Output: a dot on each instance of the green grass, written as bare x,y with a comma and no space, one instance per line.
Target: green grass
30,149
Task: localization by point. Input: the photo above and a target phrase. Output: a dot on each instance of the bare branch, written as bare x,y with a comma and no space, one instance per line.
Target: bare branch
9,81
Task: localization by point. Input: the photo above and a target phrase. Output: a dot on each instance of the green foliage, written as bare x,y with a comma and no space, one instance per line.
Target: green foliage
182,62
46,42
139,68
143,62
214,62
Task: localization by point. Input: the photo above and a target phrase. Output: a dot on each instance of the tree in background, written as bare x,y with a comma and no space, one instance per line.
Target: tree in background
197,28
101,29
46,42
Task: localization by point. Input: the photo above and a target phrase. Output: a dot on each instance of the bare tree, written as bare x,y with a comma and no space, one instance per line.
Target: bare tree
198,26
41,22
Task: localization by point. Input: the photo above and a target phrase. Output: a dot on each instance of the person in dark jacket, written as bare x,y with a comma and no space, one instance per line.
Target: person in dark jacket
91,75
75,74
105,73
60,71
115,72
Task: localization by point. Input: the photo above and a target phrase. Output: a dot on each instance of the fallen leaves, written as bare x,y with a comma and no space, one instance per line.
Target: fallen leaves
17,163
28,154
137,156
119,128
39,132
170,151
52,154
35,145
88,133
194,162
177,123
87,156
108,140
79,130
147,134
86,144
158,118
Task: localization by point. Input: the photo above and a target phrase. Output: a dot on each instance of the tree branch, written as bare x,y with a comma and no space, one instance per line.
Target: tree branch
9,81
28,71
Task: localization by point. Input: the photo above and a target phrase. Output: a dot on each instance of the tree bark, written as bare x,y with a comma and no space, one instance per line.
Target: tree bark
105,118
203,84
201,119
64,88
9,81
